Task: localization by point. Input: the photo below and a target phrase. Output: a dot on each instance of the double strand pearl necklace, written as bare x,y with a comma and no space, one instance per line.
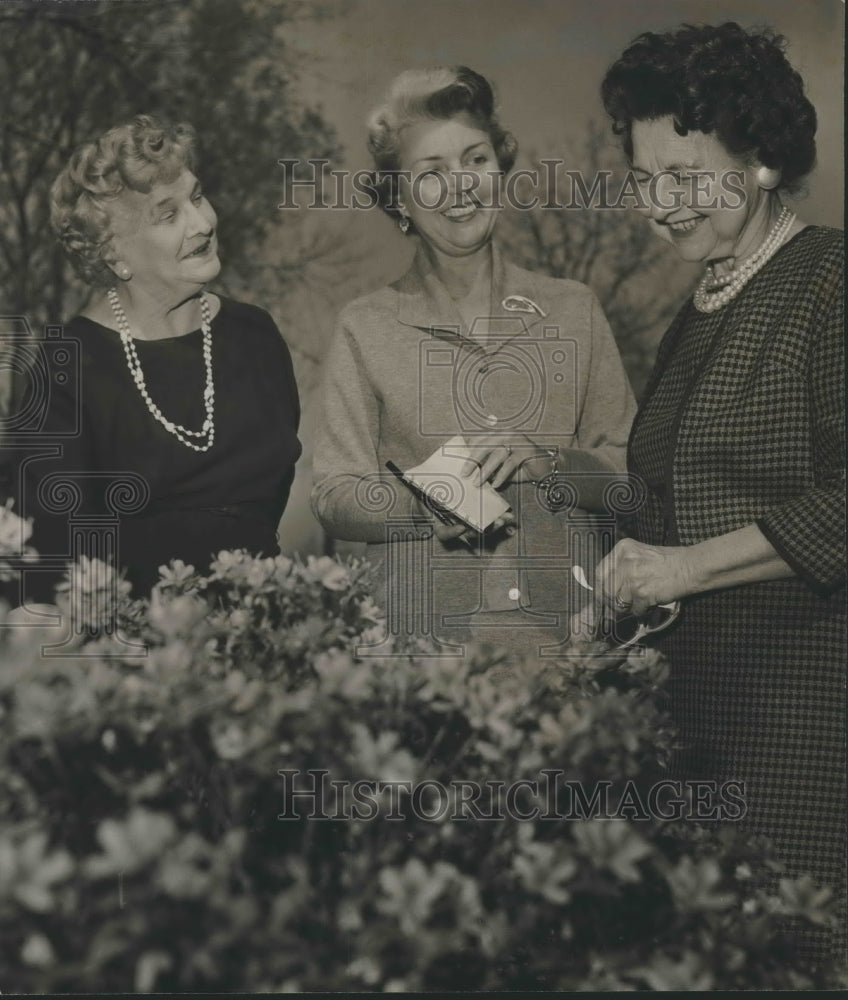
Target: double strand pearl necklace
182,434
709,299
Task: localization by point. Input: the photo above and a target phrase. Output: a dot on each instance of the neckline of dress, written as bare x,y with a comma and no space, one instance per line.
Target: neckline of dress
727,309
190,334
808,228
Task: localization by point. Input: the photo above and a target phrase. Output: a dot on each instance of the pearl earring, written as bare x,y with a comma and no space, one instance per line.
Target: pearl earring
767,178
124,272
403,223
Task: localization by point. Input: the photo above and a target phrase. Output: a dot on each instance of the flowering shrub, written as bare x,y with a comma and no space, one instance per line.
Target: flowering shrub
163,827
15,532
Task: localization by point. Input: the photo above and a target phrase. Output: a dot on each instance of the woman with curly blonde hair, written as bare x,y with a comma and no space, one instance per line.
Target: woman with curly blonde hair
189,394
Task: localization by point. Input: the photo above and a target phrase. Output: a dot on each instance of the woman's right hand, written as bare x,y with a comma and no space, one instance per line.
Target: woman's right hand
635,577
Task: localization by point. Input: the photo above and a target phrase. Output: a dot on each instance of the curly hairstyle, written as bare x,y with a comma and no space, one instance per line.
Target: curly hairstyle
721,79
437,94
135,156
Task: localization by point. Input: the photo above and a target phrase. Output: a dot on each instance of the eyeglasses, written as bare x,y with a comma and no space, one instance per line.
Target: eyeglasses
655,619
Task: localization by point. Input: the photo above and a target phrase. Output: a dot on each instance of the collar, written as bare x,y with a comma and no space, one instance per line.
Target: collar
424,302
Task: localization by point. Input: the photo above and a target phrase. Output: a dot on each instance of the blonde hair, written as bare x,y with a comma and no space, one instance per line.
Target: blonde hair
135,156
437,93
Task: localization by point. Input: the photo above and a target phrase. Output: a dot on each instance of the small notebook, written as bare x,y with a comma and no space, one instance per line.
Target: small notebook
439,481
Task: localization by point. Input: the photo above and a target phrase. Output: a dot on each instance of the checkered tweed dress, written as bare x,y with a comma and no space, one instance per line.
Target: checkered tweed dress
742,422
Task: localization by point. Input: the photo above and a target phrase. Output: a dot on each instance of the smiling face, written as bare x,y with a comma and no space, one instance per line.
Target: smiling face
702,199
451,195
167,237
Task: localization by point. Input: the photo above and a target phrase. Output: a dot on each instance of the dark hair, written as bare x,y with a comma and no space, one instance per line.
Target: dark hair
135,156
438,93
721,79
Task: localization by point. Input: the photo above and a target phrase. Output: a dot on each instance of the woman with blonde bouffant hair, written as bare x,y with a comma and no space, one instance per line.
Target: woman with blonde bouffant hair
521,367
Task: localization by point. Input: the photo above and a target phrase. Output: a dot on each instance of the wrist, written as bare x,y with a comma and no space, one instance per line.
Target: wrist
545,463
695,571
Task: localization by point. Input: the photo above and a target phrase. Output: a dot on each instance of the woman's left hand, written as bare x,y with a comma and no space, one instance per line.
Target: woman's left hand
635,577
500,456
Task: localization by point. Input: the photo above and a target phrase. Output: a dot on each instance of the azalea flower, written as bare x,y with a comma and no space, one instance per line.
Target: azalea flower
227,562
14,534
187,868
695,885
612,844
342,676
379,758
546,869
230,741
15,531
37,951
92,591
29,870
327,571
175,574
801,897
689,974
409,893
132,843
176,616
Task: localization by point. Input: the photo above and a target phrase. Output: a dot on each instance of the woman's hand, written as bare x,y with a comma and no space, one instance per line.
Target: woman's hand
639,576
505,458
447,532
635,577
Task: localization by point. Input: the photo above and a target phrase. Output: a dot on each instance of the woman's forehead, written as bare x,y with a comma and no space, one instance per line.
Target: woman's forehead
657,143
131,206
435,138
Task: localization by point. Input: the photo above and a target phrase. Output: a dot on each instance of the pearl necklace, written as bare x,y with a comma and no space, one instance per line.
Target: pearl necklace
710,299
181,433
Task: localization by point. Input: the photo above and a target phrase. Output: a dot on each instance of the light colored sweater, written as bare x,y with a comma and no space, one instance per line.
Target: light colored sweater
402,377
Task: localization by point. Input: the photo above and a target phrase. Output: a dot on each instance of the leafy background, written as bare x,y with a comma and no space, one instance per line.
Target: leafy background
266,79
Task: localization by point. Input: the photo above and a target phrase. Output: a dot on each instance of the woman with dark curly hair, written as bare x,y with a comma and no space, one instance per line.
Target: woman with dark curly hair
739,437
520,367
181,400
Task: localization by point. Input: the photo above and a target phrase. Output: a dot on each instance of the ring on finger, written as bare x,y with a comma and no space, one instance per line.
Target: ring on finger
621,604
